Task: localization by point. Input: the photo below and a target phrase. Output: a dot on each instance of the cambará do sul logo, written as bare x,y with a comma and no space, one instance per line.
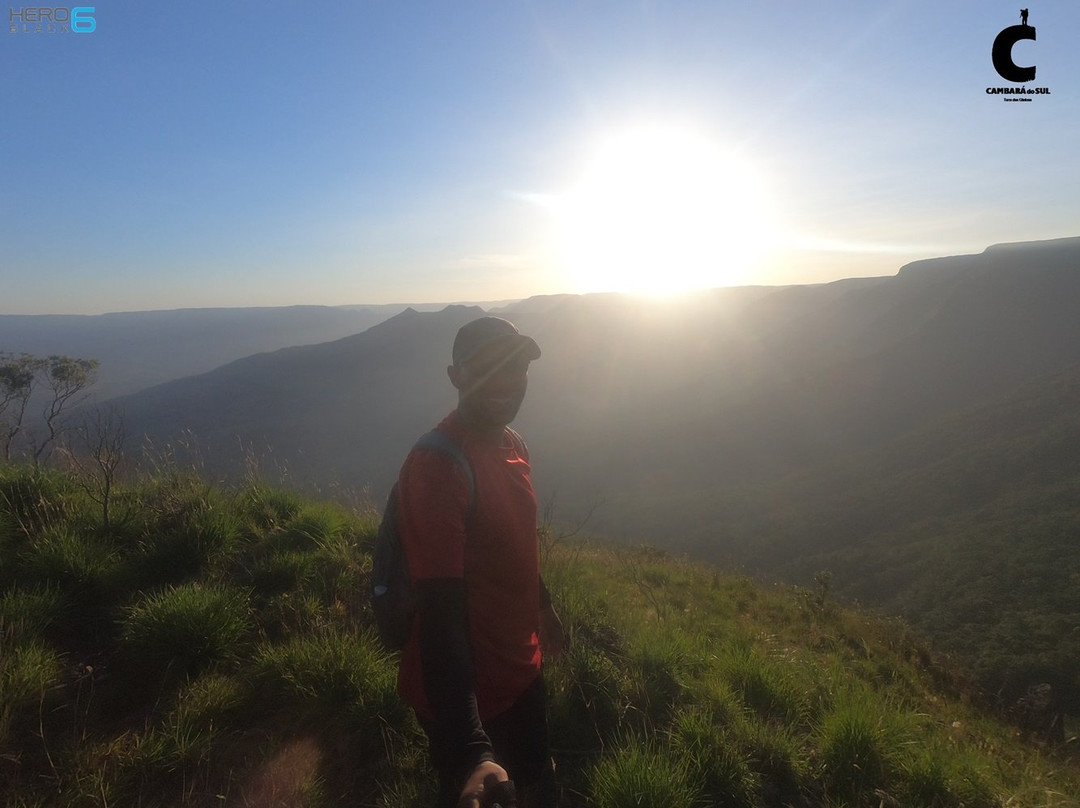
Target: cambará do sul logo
1002,56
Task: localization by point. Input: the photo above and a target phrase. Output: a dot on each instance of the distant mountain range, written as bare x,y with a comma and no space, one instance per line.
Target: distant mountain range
144,348
733,385
916,435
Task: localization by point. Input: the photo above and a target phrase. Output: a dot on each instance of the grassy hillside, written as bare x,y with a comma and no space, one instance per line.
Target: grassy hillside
966,529
213,647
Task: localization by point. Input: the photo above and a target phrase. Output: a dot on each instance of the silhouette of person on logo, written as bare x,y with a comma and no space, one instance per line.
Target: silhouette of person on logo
1023,16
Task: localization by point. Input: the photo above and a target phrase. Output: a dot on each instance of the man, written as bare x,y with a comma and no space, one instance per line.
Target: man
472,665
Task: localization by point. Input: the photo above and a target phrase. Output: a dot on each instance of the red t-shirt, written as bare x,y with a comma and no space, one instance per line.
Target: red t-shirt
495,550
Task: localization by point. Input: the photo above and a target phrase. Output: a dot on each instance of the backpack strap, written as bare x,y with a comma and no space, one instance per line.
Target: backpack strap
519,443
440,442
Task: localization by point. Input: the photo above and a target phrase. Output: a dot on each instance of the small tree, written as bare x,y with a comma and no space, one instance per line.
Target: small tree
66,379
98,455
62,380
19,374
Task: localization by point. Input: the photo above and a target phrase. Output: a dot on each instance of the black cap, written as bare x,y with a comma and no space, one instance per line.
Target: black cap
478,334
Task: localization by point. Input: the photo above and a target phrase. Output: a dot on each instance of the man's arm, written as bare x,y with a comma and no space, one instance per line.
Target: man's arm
435,501
458,738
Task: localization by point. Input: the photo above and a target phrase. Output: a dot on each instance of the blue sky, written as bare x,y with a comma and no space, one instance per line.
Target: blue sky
272,153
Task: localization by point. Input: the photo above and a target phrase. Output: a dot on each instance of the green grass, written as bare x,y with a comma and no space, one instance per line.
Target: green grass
332,668
935,777
718,763
314,526
860,745
27,674
216,641
187,626
638,773
27,612
769,687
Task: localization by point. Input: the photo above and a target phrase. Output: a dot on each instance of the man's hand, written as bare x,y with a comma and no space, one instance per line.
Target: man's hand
483,776
552,635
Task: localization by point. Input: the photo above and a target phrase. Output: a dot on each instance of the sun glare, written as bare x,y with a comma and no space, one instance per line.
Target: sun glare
661,211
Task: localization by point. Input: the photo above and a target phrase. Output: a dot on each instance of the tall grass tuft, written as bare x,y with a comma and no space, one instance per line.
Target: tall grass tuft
315,526
333,670
75,563
88,572
33,496
339,576
413,783
26,614
343,680
778,759
198,723
186,545
267,508
861,745
661,665
591,694
938,777
639,774
715,759
283,571
188,626
212,699
27,673
767,686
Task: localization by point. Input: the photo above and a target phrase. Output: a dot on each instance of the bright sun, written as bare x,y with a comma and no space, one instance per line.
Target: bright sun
661,210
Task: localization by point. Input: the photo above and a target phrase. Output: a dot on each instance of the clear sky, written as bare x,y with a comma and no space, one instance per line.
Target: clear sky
248,153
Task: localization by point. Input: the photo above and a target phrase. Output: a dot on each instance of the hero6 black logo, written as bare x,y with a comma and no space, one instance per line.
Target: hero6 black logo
1003,46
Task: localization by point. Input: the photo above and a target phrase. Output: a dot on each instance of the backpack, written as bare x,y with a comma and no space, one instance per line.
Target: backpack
392,598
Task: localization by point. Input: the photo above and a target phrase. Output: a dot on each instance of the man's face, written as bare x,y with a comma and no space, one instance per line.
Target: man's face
491,385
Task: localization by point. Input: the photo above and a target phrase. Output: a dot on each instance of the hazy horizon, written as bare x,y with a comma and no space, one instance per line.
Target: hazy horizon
492,303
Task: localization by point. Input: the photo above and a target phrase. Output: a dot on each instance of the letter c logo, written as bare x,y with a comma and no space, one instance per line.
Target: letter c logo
1002,53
